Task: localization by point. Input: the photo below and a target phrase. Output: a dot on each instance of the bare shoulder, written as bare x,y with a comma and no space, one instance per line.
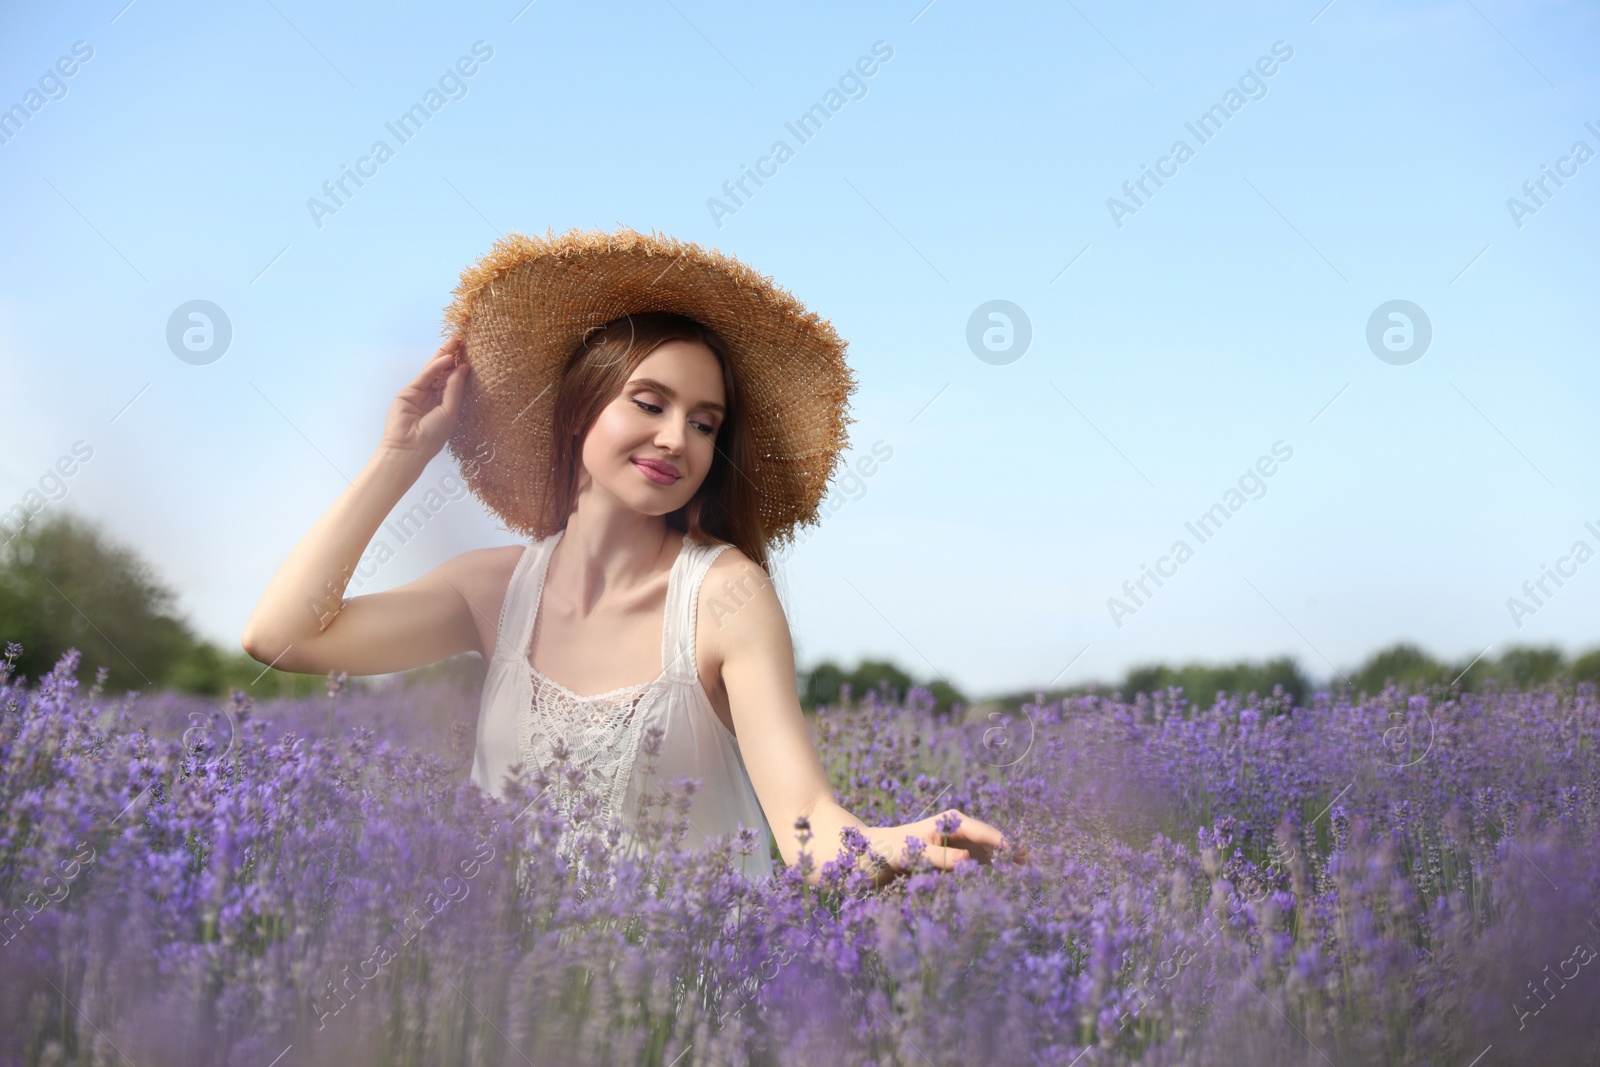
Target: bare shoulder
738,604
739,622
481,576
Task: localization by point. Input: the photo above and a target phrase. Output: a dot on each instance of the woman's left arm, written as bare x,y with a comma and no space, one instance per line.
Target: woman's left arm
758,673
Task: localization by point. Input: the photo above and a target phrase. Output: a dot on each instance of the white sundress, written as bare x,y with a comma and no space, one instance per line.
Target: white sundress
523,714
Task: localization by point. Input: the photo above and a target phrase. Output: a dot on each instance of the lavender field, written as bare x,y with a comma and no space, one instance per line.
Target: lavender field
1405,879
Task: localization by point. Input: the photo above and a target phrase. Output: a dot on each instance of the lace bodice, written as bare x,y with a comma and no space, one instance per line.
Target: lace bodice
600,732
526,718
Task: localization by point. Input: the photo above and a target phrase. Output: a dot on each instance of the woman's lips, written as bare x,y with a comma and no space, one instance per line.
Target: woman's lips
659,473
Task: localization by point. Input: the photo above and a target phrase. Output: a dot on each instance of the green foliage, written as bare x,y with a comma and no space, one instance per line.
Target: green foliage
871,674
823,684
1403,664
206,669
1518,667
1523,668
65,584
945,696
1201,683
1586,668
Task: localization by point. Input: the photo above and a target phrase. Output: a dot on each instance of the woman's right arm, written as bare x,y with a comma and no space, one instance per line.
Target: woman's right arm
303,623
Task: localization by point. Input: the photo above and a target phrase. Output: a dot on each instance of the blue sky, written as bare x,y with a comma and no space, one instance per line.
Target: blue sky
1175,340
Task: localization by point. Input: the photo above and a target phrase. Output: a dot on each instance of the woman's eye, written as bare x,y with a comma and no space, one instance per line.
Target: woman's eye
704,427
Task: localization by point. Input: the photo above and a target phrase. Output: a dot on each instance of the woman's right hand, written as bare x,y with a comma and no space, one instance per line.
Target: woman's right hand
425,412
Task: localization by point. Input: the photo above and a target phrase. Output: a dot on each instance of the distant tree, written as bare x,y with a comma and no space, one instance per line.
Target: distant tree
1264,677
1518,667
1586,668
65,584
1403,664
1523,667
872,674
823,684
1149,678
945,696
1201,682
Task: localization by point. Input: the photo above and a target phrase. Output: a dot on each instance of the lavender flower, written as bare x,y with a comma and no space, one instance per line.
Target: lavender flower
1207,885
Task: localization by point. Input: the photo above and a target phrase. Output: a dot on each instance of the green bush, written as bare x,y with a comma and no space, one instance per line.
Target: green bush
65,584
824,683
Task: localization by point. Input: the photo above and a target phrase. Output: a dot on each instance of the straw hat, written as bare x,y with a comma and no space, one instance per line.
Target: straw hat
525,306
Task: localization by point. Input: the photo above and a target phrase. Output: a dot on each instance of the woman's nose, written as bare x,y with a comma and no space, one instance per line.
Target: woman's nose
672,436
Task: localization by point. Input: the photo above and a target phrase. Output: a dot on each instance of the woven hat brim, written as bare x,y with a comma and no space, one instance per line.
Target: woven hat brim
524,307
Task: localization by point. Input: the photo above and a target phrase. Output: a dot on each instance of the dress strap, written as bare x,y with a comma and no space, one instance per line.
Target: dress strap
678,626
518,611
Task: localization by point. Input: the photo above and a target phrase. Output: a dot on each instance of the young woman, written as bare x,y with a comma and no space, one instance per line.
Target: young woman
645,458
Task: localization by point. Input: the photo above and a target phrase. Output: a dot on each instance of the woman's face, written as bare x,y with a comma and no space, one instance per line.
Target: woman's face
651,447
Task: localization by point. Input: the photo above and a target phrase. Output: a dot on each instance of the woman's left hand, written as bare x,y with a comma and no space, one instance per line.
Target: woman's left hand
950,837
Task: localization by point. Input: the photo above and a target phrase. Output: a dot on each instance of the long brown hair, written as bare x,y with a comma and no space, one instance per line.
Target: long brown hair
726,506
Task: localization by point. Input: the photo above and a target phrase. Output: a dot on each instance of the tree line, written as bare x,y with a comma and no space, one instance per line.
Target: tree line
65,584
